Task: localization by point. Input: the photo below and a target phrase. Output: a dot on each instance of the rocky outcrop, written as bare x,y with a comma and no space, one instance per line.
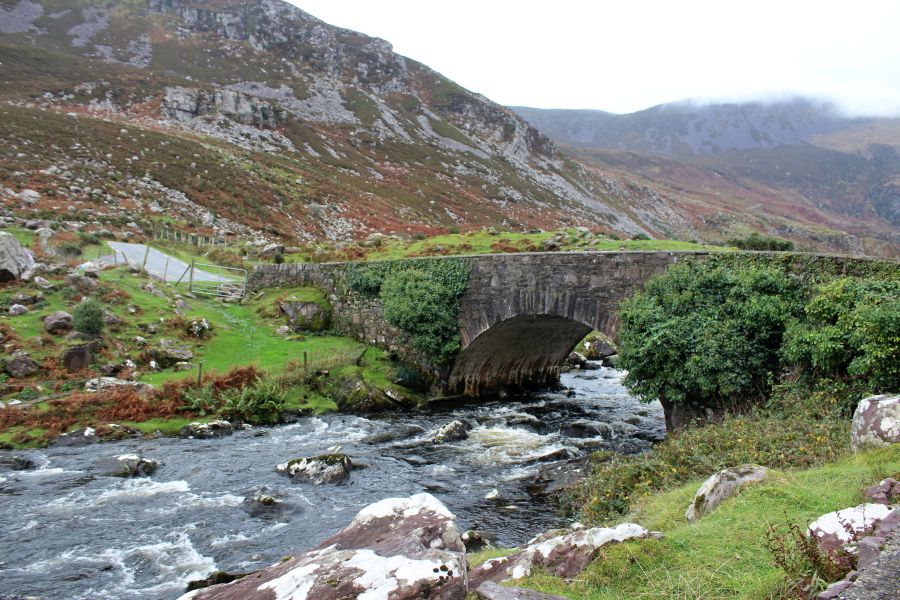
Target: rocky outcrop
184,104
326,468
399,548
169,353
83,284
128,465
721,486
96,384
561,553
876,422
886,491
14,259
58,323
306,316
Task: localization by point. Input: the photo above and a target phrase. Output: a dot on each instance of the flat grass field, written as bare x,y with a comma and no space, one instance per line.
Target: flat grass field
724,554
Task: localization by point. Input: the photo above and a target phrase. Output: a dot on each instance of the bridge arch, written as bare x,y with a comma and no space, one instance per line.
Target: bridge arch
523,351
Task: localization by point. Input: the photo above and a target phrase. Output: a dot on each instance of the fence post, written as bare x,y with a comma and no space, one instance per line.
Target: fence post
305,363
191,279
166,271
144,264
199,373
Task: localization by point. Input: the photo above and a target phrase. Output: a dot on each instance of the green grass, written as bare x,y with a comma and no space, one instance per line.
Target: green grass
164,426
724,554
24,236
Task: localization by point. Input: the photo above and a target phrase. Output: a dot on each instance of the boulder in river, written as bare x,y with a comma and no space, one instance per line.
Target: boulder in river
264,504
454,431
327,468
597,348
560,553
128,465
392,435
876,422
721,486
16,463
398,548
213,429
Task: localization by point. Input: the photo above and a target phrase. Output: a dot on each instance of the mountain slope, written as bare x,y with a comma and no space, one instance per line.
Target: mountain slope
256,115
794,169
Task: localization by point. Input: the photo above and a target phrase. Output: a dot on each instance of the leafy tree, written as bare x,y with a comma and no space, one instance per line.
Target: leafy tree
707,335
851,332
88,317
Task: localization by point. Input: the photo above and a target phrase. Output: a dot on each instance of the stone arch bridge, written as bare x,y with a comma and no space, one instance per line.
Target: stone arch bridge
519,318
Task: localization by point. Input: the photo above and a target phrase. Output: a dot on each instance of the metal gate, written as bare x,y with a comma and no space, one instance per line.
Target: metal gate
228,283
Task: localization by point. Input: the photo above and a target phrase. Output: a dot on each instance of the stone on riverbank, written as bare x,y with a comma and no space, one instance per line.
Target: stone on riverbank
721,486
212,429
560,553
327,468
399,548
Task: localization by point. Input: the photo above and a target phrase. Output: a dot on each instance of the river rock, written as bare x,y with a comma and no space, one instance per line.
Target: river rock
58,323
392,435
80,437
14,259
398,549
21,365
475,541
454,431
15,463
264,504
721,486
306,316
586,429
559,553
492,591
128,465
556,479
318,470
83,284
886,491
833,530
78,357
576,360
876,422
213,429
597,348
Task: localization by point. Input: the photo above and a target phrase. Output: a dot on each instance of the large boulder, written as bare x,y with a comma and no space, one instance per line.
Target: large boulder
721,486
876,422
15,463
78,357
397,549
58,323
127,465
835,530
597,348
560,553
326,468
886,491
213,429
169,353
306,316
14,259
264,503
20,365
83,284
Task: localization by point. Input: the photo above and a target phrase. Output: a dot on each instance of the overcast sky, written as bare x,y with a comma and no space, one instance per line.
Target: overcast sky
631,54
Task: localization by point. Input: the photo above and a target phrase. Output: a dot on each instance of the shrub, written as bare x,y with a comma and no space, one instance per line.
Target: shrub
616,480
88,239
69,249
707,335
640,236
851,335
755,241
809,568
88,317
260,403
278,258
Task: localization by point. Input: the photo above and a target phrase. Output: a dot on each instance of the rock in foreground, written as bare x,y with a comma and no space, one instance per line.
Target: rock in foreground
492,591
14,259
721,486
564,555
128,465
397,549
836,529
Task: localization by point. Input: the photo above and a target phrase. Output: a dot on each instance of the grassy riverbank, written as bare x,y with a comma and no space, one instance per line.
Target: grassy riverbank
724,555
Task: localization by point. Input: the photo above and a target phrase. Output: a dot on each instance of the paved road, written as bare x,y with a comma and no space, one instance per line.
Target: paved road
159,264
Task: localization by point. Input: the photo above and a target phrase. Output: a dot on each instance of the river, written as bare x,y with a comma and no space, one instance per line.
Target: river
68,532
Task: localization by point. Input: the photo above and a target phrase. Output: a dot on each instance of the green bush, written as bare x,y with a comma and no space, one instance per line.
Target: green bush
640,236
616,480
88,239
88,317
260,403
707,335
850,335
755,241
